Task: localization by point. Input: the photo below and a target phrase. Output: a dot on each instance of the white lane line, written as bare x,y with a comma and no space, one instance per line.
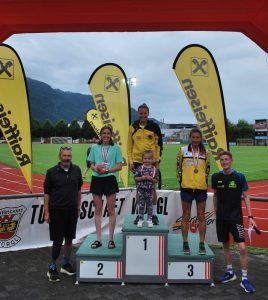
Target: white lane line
256,194
17,192
17,182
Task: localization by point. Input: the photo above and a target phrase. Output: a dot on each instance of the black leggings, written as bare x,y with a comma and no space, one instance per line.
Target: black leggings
56,247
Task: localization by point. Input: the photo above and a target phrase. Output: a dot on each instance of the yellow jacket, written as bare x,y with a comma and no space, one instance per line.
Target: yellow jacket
141,139
185,169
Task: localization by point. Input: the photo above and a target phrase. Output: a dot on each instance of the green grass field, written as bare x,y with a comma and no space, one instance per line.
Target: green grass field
250,160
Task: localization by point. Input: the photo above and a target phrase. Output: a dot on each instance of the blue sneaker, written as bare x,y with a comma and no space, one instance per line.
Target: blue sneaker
227,277
246,285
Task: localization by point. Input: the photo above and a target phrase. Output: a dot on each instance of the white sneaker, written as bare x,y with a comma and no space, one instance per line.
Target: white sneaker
150,223
140,223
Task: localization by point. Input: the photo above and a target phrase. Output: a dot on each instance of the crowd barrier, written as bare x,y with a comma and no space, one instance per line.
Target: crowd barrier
22,223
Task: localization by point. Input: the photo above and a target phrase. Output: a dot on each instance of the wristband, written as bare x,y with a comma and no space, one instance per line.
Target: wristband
250,217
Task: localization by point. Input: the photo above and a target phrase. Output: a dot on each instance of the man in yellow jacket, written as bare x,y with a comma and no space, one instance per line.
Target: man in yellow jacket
144,135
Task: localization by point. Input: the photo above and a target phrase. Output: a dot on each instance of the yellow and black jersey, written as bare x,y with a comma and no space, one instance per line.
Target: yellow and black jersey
188,177
144,138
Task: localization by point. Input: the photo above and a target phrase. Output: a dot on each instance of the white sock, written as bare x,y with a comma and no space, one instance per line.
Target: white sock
244,274
230,269
154,209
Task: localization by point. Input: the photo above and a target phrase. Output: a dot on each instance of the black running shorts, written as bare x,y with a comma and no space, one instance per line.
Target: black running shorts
225,227
62,224
104,185
188,195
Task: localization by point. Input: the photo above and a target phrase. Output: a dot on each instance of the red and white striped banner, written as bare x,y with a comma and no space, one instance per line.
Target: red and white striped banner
119,269
161,259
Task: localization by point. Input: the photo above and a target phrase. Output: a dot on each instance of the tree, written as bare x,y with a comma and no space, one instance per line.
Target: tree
232,131
87,132
61,128
36,128
48,129
245,130
74,130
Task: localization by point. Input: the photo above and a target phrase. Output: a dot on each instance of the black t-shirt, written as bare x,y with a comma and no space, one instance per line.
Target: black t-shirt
229,191
63,186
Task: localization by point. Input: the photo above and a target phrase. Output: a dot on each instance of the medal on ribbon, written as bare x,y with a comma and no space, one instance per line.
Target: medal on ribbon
105,157
195,160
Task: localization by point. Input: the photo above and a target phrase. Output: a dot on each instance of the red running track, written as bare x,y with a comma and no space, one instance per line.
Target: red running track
12,183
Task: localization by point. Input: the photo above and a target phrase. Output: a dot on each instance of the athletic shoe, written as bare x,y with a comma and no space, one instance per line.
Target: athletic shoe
246,285
140,223
186,248
67,269
227,277
155,220
53,275
150,223
202,249
136,220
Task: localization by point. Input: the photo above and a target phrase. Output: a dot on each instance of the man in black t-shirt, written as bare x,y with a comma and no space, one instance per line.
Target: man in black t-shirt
62,202
229,186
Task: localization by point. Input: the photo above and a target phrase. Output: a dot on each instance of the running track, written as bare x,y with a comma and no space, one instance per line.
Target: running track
12,183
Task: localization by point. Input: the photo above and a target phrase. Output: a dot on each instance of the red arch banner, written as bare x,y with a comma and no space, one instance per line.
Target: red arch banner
27,16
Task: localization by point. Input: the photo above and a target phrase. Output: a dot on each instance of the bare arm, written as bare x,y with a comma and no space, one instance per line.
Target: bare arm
248,207
117,167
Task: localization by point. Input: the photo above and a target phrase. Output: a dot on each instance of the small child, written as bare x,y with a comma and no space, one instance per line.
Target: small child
146,176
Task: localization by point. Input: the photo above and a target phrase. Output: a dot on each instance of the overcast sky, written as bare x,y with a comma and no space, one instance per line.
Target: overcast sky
66,61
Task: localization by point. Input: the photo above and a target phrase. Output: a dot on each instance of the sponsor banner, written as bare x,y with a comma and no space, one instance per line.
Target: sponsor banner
108,85
14,110
94,120
198,75
22,224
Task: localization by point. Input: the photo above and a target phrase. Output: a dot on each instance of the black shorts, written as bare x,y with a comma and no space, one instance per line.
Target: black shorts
188,195
104,185
225,227
62,224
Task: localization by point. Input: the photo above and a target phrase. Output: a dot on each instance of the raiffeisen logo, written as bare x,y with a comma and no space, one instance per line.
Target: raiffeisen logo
207,125
10,218
105,116
12,136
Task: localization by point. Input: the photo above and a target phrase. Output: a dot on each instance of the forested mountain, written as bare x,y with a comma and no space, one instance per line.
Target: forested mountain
55,104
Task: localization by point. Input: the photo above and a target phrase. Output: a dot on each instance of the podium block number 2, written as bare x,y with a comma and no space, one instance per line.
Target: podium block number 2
145,255
101,269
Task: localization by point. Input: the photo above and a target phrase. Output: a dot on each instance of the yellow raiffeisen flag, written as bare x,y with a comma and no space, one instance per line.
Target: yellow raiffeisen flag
198,75
14,110
94,120
108,85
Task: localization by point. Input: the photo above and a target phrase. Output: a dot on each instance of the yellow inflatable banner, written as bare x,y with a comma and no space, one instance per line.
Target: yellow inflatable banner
198,75
108,85
94,120
14,110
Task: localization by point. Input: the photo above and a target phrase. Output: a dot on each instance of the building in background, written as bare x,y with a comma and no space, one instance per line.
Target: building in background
176,133
261,129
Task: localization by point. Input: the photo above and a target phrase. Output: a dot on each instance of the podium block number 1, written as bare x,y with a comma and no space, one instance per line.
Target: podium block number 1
145,255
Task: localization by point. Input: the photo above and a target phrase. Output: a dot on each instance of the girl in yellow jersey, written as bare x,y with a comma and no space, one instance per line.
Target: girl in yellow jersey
192,170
